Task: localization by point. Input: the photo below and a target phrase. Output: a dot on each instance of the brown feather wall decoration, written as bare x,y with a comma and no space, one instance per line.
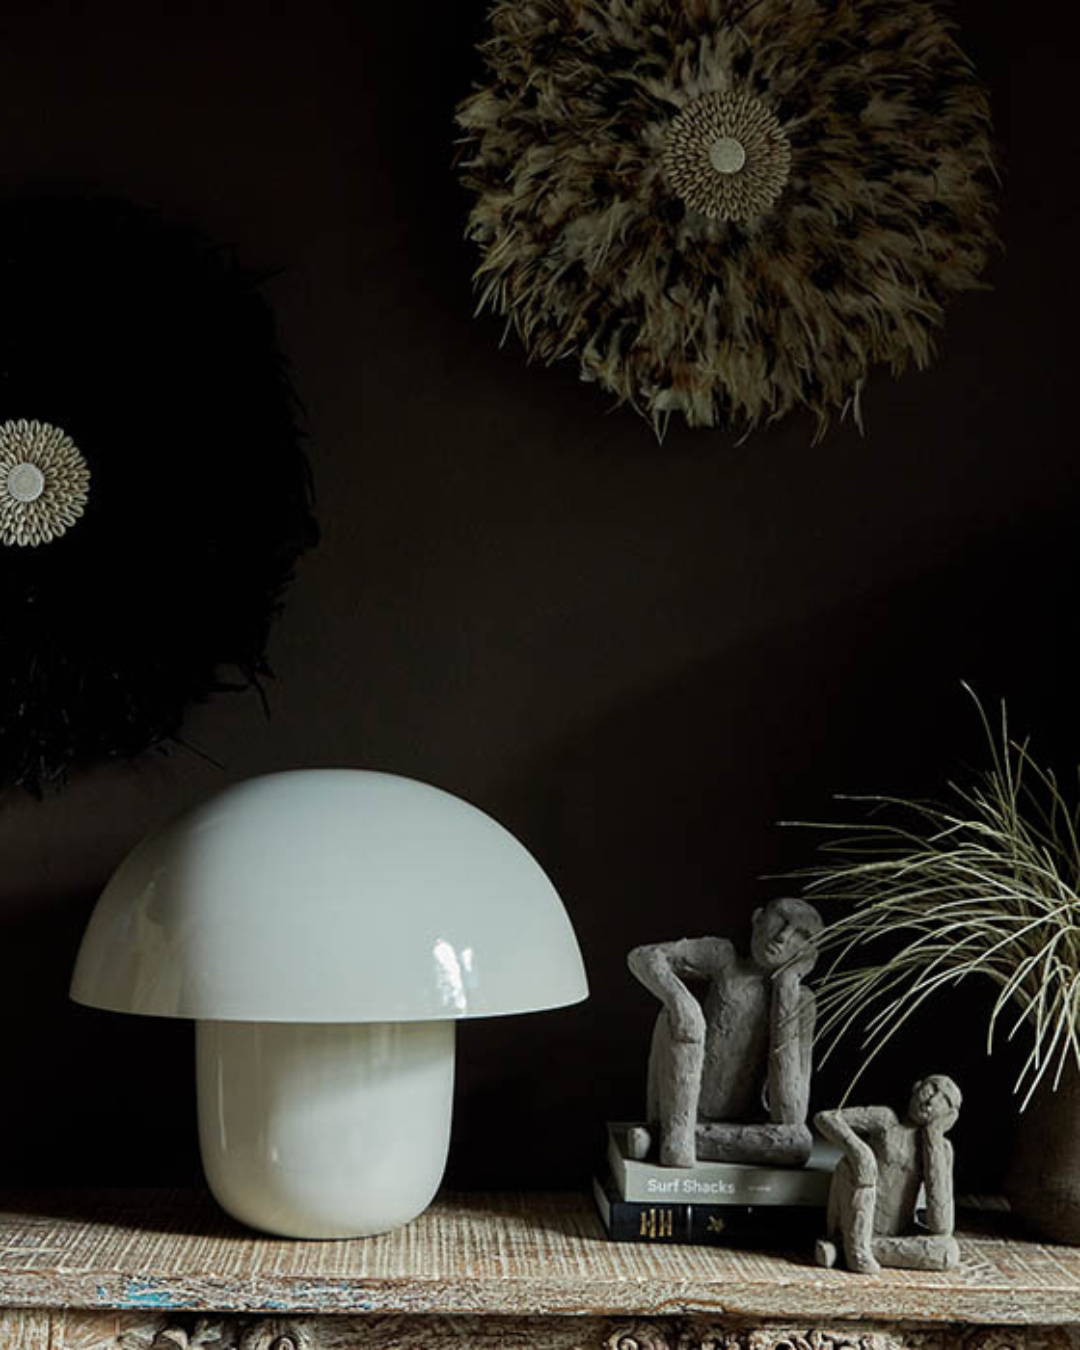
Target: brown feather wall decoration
727,210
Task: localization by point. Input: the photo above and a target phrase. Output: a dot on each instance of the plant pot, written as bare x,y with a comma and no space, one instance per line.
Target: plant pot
1043,1183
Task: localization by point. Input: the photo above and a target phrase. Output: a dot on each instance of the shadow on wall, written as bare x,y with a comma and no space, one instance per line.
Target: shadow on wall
90,1098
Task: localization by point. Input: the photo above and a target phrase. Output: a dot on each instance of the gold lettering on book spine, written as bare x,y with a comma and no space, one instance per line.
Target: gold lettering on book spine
656,1223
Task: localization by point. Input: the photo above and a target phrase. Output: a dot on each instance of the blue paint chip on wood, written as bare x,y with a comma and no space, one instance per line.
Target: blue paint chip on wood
145,1294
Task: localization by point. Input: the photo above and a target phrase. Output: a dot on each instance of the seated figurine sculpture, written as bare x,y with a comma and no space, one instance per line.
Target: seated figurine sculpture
876,1185
729,1077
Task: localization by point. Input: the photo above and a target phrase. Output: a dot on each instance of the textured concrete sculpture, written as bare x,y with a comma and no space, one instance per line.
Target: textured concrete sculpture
876,1185
729,1077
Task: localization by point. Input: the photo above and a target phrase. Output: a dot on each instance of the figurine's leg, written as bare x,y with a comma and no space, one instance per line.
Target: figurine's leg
825,1253
771,1145
918,1251
678,1091
859,1231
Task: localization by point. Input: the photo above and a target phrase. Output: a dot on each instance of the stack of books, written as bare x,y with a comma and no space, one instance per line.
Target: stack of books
729,1204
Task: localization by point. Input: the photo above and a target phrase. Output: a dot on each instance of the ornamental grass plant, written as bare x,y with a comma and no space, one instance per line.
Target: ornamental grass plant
982,884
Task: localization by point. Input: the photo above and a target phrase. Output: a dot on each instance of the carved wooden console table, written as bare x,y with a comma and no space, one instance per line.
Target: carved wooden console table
166,1271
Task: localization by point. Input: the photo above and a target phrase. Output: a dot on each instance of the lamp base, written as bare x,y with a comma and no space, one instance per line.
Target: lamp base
324,1130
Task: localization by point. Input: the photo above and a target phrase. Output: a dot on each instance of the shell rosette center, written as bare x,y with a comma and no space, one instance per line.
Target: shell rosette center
26,482
44,483
726,156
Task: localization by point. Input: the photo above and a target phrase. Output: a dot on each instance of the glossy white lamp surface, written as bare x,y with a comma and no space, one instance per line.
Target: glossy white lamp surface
325,927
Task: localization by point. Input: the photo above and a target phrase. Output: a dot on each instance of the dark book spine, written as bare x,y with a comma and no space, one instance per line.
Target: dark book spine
705,1225
739,1226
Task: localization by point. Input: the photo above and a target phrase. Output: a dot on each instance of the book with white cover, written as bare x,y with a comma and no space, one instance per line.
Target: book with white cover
720,1183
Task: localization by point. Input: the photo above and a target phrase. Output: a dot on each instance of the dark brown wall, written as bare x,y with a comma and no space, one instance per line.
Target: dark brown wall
637,658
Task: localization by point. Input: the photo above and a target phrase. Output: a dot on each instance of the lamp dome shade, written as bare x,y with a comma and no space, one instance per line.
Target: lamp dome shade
329,895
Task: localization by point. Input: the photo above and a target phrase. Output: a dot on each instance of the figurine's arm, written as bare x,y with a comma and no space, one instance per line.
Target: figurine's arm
688,958
938,1179
845,1126
791,1037
662,968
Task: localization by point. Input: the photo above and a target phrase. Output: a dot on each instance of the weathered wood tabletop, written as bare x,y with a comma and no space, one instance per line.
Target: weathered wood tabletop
480,1256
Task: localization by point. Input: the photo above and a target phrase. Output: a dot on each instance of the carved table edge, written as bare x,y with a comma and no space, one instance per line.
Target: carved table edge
72,1329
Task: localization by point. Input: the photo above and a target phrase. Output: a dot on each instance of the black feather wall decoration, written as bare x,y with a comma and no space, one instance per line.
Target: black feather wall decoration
727,209
154,493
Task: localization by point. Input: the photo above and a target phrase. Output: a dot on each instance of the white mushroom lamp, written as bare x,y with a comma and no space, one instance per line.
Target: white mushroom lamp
326,928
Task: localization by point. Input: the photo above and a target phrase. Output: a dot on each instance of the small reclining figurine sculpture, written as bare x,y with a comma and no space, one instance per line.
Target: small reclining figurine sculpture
729,1080
875,1188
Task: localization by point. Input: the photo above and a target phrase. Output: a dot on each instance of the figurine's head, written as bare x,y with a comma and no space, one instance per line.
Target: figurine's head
935,1100
784,933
